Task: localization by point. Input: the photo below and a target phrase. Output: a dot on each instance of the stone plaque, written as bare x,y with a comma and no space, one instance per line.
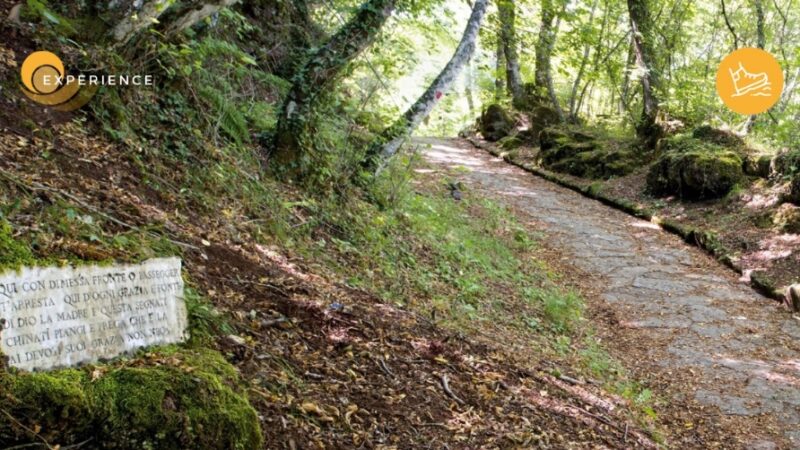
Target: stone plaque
60,317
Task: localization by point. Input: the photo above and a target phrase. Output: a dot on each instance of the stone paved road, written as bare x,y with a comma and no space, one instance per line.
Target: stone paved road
723,349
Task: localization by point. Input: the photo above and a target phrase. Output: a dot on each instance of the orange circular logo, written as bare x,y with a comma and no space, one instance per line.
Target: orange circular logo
45,81
749,81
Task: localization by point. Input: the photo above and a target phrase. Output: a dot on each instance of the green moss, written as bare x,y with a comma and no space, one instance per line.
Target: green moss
578,152
788,163
695,169
13,253
787,218
719,137
55,401
758,165
189,399
510,142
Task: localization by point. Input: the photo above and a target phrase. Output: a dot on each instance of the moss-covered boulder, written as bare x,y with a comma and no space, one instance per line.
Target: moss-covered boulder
578,152
758,165
787,218
724,138
541,117
794,190
173,400
788,162
496,123
510,142
694,169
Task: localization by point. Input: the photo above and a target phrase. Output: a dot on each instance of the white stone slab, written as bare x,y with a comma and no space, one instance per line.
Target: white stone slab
63,316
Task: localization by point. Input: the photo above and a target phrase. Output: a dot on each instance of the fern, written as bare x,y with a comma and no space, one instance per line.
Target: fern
227,115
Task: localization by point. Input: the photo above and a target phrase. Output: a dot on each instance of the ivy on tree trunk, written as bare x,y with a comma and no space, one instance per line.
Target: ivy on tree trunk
642,33
316,76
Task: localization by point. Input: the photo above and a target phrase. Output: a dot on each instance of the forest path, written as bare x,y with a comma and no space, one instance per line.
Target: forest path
725,359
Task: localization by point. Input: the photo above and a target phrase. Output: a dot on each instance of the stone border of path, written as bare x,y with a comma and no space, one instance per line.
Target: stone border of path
705,240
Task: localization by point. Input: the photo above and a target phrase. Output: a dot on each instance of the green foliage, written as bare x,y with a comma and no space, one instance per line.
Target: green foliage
41,10
563,310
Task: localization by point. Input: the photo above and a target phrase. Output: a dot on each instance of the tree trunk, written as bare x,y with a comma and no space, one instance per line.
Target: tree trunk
624,97
542,50
642,32
573,97
134,19
469,82
321,69
131,20
393,137
730,25
543,80
508,38
761,42
194,13
499,67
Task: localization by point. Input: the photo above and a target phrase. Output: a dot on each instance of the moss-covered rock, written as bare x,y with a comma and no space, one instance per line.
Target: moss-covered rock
510,142
787,218
694,169
788,162
758,165
496,123
541,117
580,153
794,190
57,402
551,137
174,400
724,138
598,163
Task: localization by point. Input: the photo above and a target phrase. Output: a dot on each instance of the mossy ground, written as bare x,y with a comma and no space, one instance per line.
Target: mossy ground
168,399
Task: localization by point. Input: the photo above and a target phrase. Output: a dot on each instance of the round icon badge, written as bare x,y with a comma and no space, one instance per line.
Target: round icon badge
43,81
749,81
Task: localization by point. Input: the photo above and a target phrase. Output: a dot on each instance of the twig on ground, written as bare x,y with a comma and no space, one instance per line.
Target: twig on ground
33,432
446,387
384,367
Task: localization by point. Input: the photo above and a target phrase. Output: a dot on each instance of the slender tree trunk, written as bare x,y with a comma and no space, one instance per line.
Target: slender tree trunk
624,97
499,67
543,80
393,137
542,50
508,37
321,69
761,42
469,82
573,96
642,32
729,25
